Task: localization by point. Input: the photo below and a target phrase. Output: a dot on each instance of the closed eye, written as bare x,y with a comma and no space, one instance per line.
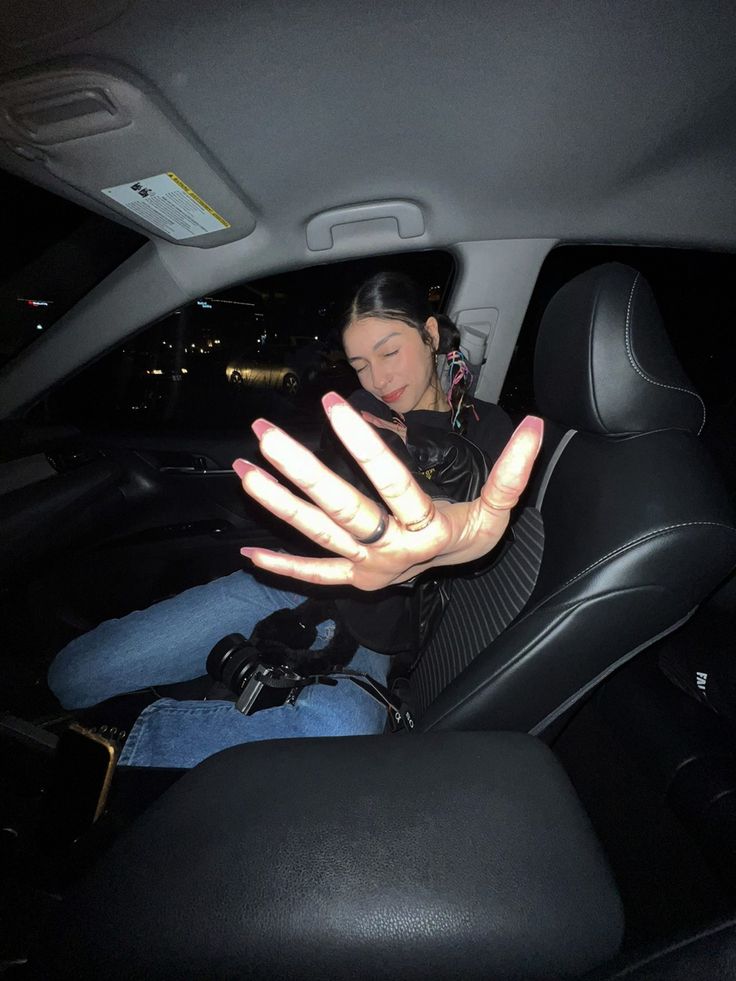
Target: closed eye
387,354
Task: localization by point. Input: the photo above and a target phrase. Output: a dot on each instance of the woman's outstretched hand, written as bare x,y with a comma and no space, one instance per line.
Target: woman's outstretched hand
419,533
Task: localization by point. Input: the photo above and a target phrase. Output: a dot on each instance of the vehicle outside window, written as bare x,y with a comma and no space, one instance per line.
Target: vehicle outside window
290,368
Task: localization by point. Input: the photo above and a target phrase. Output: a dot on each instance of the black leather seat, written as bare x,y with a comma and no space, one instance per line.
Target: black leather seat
638,527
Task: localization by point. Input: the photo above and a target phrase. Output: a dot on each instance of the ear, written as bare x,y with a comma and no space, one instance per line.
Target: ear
433,329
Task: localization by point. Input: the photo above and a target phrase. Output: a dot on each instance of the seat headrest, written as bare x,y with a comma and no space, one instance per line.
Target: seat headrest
603,362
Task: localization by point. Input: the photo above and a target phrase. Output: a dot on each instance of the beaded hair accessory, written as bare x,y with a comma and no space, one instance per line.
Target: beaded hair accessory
460,374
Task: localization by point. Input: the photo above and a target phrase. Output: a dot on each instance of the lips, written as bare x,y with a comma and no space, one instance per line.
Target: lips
393,396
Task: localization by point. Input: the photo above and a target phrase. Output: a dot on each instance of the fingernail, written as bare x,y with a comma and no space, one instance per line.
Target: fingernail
532,422
535,425
261,426
242,467
332,399
247,552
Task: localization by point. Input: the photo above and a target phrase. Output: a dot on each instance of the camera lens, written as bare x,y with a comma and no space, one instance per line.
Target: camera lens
231,662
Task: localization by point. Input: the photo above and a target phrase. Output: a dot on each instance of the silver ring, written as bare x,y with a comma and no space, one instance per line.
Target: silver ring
380,529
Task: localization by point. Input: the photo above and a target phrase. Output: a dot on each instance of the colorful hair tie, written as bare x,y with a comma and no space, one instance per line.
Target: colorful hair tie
459,373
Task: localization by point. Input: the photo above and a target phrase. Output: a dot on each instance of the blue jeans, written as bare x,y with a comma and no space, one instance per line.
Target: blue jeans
170,641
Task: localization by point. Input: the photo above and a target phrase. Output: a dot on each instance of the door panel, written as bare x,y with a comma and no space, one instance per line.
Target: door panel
170,514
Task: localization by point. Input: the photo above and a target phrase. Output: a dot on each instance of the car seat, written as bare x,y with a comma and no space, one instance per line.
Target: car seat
625,528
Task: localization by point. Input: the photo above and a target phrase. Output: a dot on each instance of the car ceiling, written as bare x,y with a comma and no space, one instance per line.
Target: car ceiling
593,121
565,119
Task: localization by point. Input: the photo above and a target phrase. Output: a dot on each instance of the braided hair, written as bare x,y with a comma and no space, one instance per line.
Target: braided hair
394,296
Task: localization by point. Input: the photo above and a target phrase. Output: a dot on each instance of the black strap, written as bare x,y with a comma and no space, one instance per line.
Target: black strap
399,715
275,658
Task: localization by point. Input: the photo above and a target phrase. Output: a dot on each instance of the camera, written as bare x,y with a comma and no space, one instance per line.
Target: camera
238,667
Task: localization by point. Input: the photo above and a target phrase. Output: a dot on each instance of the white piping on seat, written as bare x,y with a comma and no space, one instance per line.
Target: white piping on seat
639,370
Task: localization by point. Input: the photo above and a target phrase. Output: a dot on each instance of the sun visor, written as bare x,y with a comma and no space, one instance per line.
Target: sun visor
104,133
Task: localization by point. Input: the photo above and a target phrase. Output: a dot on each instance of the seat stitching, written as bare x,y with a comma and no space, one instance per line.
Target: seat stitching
639,541
639,370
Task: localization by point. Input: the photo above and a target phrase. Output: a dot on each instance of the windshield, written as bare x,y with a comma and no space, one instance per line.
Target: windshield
56,252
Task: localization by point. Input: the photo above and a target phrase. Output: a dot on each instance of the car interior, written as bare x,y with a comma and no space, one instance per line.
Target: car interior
193,194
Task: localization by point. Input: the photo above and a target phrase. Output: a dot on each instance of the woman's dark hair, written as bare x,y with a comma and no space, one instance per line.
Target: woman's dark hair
394,296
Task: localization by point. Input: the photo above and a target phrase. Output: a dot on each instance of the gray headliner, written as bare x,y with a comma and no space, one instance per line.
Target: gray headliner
573,121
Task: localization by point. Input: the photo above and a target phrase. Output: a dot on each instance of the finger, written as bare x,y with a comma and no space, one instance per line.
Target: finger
389,476
395,427
306,518
357,514
512,470
323,572
378,423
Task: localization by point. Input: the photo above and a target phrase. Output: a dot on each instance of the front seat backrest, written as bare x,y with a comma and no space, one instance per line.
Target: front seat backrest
638,527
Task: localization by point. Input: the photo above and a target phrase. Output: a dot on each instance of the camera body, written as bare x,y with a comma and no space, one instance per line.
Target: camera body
233,663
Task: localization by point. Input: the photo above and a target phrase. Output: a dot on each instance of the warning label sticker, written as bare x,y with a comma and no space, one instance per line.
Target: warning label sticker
166,202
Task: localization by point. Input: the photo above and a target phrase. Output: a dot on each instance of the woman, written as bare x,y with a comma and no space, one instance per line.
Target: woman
391,338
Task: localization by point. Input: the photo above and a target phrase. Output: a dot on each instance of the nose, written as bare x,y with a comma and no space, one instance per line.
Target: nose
381,377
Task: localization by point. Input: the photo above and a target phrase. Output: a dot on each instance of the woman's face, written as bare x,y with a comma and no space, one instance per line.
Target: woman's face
393,362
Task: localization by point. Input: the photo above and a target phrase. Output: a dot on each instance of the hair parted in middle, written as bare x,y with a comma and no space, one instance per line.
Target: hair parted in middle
394,296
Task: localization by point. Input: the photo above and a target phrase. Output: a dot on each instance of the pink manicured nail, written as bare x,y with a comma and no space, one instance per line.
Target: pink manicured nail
532,422
261,426
332,399
534,425
247,552
242,467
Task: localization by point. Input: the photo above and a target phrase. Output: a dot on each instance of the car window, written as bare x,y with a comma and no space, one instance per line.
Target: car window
56,252
270,347
694,291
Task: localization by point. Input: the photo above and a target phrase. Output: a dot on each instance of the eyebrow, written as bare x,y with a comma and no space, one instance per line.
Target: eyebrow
394,333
